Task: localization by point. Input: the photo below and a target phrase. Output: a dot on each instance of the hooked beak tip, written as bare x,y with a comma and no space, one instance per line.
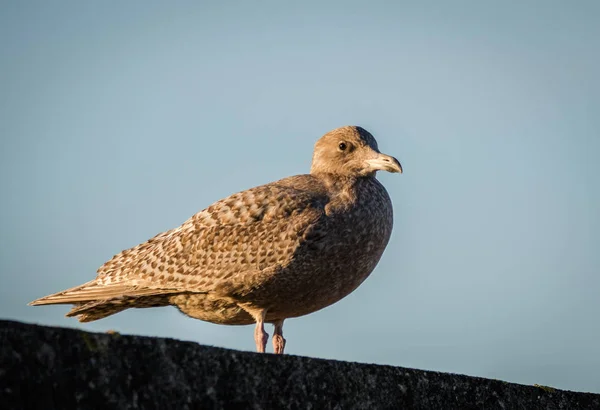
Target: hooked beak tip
385,163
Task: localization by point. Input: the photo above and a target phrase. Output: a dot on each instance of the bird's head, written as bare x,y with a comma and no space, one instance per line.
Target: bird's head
351,151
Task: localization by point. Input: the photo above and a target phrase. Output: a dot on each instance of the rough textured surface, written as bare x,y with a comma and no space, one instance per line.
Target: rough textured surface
54,368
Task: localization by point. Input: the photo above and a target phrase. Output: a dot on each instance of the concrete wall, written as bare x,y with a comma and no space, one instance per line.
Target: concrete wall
54,368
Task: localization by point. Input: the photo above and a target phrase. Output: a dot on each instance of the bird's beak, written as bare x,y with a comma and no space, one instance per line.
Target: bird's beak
384,162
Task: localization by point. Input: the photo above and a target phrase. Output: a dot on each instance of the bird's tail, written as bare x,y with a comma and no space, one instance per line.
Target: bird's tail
82,293
93,301
89,300
99,309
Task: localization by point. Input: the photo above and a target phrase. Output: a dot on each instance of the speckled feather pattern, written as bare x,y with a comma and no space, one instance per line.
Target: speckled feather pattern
290,247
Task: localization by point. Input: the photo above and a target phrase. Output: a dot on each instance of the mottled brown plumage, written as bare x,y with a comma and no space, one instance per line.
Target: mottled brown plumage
272,252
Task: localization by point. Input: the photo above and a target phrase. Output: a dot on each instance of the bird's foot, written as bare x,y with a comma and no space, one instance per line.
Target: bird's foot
278,344
278,340
260,337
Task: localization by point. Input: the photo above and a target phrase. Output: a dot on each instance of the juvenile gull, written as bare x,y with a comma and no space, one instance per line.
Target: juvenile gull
263,255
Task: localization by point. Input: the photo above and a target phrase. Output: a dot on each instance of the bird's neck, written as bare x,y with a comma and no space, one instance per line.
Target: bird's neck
344,190
336,182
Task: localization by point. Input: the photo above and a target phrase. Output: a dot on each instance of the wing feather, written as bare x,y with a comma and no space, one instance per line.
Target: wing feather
232,242
93,291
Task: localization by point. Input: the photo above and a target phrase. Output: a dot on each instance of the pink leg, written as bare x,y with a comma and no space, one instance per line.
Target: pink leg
260,336
278,340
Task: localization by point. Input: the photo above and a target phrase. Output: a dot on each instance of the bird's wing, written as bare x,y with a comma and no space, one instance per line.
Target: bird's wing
93,291
226,246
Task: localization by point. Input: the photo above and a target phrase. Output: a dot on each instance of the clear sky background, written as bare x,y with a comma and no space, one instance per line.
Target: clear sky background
119,120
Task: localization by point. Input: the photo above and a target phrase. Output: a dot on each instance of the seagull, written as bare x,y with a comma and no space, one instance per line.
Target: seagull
272,252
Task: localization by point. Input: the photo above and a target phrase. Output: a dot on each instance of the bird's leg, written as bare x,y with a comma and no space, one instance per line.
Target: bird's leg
260,336
278,340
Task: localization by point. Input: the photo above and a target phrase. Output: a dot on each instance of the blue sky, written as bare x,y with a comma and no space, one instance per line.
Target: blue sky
119,120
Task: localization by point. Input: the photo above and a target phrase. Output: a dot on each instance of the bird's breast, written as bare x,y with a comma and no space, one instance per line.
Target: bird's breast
345,251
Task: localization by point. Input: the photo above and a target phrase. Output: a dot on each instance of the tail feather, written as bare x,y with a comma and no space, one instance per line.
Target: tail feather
99,309
72,295
93,301
95,310
92,291
87,307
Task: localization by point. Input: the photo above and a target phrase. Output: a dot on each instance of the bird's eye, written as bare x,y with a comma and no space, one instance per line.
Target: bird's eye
342,146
